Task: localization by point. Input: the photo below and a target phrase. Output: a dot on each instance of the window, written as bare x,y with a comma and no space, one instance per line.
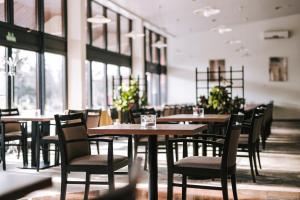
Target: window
98,84
125,73
153,89
25,91
97,29
125,41
55,82
54,17
25,14
2,11
148,46
112,41
163,59
2,78
154,49
163,89
112,71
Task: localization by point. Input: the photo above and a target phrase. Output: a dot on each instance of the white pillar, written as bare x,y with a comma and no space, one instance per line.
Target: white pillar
77,98
138,50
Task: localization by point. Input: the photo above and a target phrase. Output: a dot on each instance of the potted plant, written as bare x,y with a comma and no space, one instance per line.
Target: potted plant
128,99
219,100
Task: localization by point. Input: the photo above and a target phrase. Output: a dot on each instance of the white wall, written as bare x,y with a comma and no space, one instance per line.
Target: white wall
194,50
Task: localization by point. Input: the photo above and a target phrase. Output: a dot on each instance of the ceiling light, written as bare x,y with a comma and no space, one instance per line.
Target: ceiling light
134,35
234,42
222,29
159,44
98,19
207,11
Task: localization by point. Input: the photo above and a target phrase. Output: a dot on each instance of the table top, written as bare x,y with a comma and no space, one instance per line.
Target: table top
21,185
207,118
160,129
33,118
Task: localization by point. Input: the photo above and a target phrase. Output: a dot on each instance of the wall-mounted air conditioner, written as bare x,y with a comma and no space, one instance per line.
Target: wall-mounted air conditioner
282,34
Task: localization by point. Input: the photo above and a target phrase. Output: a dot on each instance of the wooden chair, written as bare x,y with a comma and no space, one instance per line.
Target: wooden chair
92,121
207,167
76,154
267,123
249,141
12,131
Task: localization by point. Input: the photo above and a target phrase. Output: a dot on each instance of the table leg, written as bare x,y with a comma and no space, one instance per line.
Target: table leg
34,133
46,132
153,192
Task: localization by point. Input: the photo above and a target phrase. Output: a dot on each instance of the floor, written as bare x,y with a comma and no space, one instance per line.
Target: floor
279,179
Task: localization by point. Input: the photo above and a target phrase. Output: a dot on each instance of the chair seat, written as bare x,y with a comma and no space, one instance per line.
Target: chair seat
98,160
51,138
200,162
13,135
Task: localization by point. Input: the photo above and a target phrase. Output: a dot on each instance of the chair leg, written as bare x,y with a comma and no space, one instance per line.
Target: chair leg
87,186
146,158
170,186
3,156
183,187
23,145
63,189
255,164
56,155
98,148
250,152
111,180
258,154
224,187
38,155
233,183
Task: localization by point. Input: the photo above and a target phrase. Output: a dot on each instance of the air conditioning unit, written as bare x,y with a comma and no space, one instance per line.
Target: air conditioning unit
282,34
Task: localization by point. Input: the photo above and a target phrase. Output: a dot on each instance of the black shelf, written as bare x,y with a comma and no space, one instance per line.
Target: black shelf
206,83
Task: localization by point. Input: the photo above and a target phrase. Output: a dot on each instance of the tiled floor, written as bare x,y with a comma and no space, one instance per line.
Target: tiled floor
279,179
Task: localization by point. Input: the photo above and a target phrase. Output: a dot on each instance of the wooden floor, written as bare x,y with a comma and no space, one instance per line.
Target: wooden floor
279,179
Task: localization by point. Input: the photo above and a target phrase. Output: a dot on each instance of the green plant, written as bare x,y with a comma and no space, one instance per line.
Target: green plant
129,97
219,100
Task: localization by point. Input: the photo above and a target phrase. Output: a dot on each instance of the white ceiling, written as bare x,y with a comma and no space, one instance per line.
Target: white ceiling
177,18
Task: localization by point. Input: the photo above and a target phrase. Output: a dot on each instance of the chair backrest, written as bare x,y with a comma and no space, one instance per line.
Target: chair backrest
93,118
231,141
135,116
257,125
10,127
72,127
9,112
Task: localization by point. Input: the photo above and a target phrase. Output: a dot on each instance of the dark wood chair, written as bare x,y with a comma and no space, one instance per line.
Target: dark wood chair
92,121
249,141
267,123
12,131
76,154
129,191
207,167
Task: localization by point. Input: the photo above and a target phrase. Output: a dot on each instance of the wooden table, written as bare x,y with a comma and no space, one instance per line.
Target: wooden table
152,133
207,118
16,185
36,120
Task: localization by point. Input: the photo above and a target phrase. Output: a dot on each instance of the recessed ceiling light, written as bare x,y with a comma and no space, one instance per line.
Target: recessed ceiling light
234,42
159,44
98,19
207,11
222,29
134,35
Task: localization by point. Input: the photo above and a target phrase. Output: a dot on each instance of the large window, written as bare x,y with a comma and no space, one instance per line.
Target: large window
98,84
147,46
163,89
2,10
55,79
112,71
153,89
25,13
112,41
97,29
54,17
25,91
2,78
125,41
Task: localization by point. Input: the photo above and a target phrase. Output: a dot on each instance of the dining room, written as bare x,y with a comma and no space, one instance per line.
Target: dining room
161,99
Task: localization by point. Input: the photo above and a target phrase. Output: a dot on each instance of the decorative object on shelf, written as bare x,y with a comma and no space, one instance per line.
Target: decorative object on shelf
278,69
214,66
12,64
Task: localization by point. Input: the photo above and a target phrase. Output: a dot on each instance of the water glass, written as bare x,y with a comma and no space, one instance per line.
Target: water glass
148,121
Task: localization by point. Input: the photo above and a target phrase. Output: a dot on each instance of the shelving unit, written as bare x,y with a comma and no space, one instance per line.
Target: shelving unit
231,79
